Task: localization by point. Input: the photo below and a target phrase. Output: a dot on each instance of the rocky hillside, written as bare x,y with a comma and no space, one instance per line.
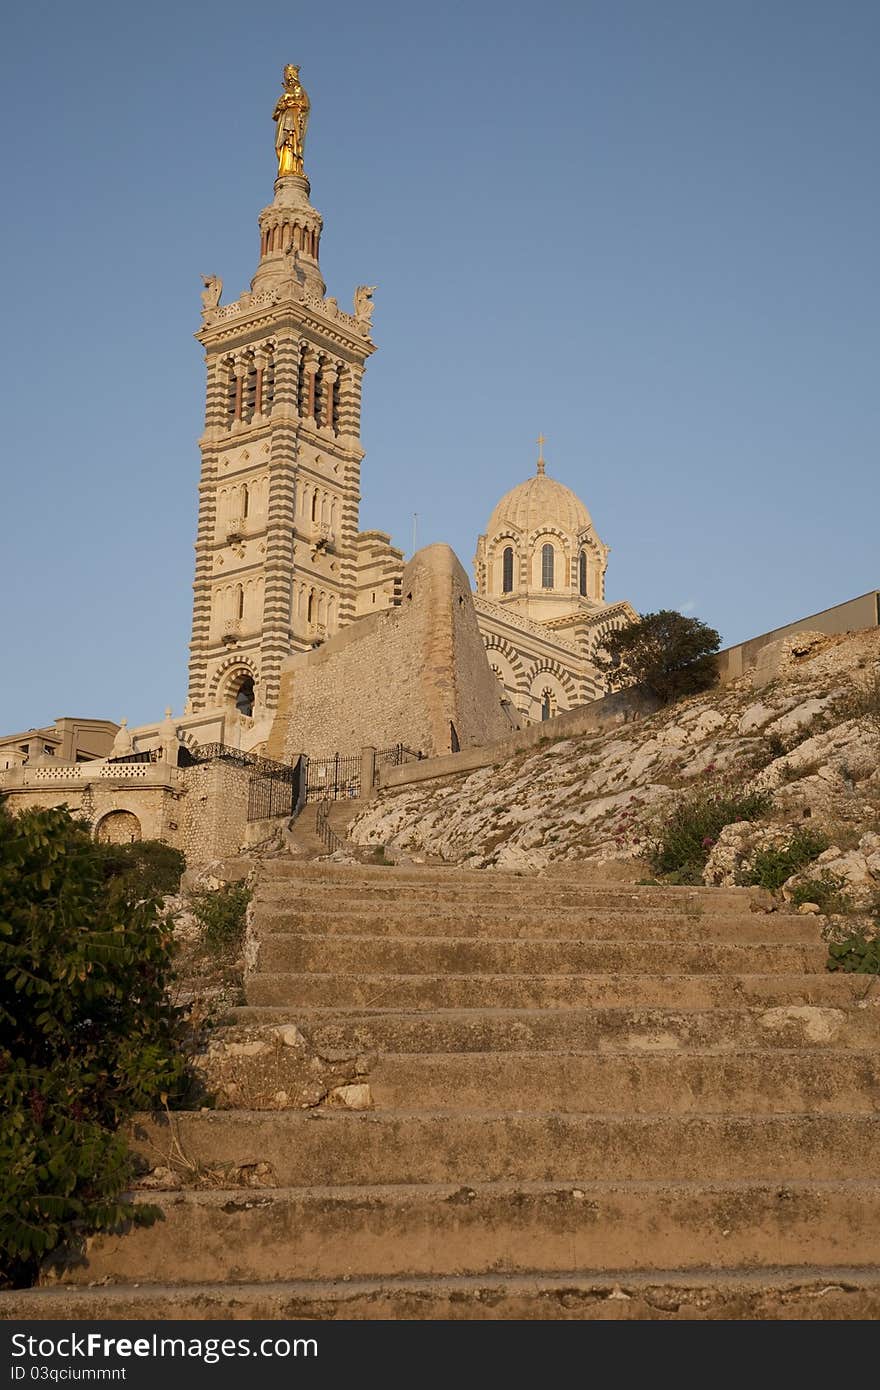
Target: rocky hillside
806,745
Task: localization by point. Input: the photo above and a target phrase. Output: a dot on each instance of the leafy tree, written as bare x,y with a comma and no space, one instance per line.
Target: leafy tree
670,654
87,1034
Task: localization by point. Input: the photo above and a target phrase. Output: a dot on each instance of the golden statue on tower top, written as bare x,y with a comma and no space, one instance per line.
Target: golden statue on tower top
291,117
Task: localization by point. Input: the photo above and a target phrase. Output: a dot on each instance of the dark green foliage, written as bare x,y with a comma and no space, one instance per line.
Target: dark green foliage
87,1035
150,868
670,654
771,867
858,955
687,833
222,914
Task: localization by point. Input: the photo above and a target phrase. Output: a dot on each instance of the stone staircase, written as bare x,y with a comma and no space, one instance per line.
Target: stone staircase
584,1102
303,839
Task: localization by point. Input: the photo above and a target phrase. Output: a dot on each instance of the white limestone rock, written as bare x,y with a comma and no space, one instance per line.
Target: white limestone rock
357,1096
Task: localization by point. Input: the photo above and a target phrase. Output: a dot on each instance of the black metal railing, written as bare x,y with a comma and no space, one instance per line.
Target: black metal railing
398,754
328,837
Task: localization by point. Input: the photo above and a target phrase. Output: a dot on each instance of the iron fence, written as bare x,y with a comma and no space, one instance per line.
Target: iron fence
336,777
397,755
274,790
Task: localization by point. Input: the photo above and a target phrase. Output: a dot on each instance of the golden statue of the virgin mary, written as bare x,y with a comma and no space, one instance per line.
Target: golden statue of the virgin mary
291,117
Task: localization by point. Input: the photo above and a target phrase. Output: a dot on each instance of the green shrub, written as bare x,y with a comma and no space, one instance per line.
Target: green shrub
149,868
772,867
670,654
87,1035
858,955
685,836
222,915
824,890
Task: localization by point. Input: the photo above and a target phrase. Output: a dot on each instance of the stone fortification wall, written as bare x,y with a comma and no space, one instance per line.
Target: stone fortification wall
213,812
201,810
608,712
416,674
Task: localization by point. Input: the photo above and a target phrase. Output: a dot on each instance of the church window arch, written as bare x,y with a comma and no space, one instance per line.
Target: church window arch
310,610
250,388
268,382
582,574
230,390
547,558
239,601
547,704
507,570
245,697
315,505
244,501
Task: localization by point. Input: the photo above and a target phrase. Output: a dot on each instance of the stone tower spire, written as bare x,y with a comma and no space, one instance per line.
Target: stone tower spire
279,493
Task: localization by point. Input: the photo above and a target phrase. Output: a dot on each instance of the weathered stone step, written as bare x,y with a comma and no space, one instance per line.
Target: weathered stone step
536,923
442,1229
810,1293
511,991
333,1147
748,1083
570,1030
456,886
283,953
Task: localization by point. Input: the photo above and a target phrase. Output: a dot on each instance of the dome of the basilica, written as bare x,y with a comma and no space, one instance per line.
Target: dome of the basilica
538,503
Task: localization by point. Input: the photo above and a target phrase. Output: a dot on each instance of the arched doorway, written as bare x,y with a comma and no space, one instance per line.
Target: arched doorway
118,828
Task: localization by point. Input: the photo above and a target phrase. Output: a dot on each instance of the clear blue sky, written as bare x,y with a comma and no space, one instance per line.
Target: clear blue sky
647,228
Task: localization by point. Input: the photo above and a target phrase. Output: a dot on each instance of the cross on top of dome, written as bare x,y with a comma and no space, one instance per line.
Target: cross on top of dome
541,464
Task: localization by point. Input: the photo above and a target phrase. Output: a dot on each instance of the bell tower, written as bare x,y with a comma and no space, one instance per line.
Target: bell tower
279,493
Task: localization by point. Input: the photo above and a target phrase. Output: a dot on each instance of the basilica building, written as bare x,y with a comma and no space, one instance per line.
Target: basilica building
540,597
281,565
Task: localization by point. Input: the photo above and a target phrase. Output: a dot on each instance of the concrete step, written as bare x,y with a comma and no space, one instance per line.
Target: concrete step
569,1030
511,991
402,1147
536,923
495,1228
286,953
287,880
810,1293
749,1083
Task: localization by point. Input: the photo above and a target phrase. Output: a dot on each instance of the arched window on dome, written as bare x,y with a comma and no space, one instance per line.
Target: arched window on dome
582,573
507,570
547,567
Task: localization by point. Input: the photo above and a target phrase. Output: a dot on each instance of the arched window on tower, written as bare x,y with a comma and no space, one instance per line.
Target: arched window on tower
507,570
250,390
245,697
582,573
230,391
546,705
547,567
